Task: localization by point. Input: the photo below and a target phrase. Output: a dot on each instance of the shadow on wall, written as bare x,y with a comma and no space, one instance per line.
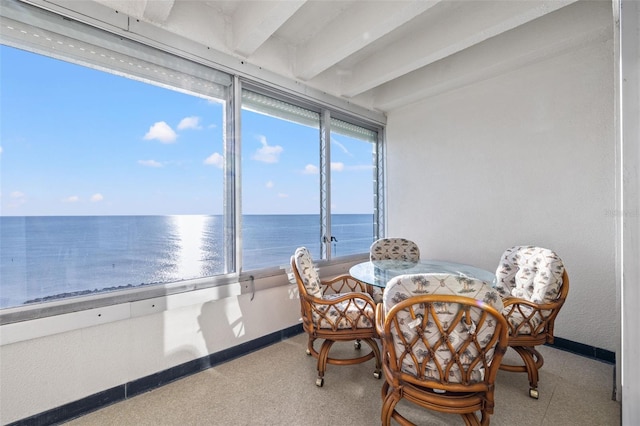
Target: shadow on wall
222,324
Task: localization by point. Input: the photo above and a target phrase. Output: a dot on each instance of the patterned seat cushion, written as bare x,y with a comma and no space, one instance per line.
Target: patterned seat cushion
406,286
352,313
348,314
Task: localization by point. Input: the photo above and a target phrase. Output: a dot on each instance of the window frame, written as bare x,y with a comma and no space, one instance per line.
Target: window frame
244,76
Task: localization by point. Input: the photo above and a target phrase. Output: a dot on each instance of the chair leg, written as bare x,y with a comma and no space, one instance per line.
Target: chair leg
389,402
470,419
377,373
310,350
322,361
533,361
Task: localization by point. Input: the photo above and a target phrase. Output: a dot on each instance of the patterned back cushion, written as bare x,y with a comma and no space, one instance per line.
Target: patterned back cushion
308,273
405,286
531,273
394,249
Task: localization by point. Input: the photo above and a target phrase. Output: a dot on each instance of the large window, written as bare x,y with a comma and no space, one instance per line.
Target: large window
107,182
288,197
119,172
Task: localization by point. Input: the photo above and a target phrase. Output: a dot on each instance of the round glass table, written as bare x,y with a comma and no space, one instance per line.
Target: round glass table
378,272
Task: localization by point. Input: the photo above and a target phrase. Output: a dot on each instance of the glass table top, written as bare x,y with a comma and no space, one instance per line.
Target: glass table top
379,272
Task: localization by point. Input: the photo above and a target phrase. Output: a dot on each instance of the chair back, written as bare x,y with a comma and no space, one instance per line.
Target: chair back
531,273
437,335
394,249
306,274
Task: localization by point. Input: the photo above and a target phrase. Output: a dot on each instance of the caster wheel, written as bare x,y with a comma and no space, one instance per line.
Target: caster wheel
533,393
319,382
377,374
308,352
357,345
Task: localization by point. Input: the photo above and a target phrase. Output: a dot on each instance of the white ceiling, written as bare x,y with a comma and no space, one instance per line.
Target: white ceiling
377,54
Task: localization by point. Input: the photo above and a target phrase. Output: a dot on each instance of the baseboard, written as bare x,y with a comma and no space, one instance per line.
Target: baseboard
119,393
584,350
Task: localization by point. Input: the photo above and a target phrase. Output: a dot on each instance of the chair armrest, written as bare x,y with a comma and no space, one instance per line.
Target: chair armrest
509,301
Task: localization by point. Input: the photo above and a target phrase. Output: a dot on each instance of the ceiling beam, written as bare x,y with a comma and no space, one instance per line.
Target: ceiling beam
354,29
254,22
474,23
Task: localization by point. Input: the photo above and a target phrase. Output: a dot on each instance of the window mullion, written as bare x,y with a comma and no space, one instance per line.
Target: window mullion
379,188
232,186
325,183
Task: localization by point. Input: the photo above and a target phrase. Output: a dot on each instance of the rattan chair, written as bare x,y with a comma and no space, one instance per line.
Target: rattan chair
334,310
534,285
391,249
443,337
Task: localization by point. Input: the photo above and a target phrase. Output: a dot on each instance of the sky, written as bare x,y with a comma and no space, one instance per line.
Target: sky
77,141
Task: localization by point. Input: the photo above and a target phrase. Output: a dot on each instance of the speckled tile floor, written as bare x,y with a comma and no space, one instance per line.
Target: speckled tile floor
276,386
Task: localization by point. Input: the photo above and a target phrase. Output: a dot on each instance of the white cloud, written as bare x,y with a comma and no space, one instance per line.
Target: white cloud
283,195
269,184
17,195
190,123
149,163
268,153
72,199
310,169
215,159
337,167
97,197
0,150
162,132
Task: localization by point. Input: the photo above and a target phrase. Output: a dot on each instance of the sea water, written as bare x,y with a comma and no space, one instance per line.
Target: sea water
48,257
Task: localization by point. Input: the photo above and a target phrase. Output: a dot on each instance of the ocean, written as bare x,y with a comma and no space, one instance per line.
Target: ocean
49,257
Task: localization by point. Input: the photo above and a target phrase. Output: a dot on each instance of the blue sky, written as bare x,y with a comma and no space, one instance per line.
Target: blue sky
76,141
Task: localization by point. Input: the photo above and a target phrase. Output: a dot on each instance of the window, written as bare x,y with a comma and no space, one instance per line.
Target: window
116,171
353,159
280,190
107,182
284,183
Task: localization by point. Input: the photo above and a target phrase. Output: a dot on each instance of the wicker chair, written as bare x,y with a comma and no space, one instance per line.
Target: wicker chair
335,310
391,249
534,285
443,338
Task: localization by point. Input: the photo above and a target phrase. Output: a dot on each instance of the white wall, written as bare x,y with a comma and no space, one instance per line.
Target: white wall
44,373
526,157
630,208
